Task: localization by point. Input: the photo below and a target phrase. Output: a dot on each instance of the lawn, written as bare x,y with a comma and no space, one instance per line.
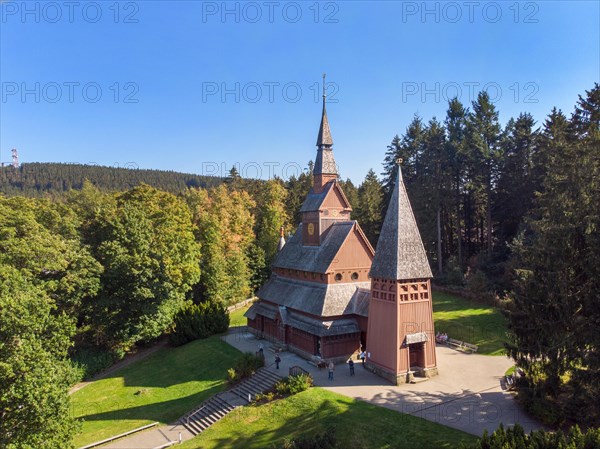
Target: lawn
161,388
357,425
469,321
237,318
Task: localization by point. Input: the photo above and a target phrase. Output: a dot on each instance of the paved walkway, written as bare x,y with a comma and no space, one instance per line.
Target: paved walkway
466,395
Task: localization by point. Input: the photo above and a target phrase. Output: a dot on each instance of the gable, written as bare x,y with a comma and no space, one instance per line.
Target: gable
335,199
355,252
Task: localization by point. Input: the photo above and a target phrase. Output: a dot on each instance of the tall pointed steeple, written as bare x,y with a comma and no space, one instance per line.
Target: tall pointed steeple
325,169
324,137
400,253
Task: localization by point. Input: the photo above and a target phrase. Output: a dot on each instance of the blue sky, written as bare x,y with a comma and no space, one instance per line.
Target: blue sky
198,86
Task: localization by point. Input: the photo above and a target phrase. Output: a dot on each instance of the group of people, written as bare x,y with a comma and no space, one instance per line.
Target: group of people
330,366
441,337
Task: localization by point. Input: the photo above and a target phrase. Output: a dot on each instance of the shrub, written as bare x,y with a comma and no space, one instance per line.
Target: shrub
196,321
294,384
516,438
245,367
89,361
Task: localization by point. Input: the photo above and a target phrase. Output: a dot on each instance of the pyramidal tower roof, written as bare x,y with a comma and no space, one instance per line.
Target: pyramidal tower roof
324,163
400,253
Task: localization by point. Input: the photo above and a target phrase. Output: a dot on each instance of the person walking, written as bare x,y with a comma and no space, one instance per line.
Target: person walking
362,357
277,361
351,365
331,368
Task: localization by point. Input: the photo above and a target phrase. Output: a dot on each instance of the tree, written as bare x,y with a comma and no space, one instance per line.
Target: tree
554,310
225,230
41,240
483,131
35,372
515,190
150,260
271,216
368,213
456,117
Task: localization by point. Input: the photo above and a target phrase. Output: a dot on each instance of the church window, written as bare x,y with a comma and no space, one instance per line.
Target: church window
354,276
314,275
338,277
322,277
391,288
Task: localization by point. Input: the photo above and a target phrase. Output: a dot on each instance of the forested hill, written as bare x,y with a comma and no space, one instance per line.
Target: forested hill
38,179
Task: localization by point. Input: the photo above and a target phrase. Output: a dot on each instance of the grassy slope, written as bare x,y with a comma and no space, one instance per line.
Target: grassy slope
358,425
470,321
171,382
237,318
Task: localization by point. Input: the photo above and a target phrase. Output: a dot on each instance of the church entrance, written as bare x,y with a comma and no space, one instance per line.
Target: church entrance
416,353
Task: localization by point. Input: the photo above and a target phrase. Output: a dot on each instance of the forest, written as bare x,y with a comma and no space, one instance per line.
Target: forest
96,260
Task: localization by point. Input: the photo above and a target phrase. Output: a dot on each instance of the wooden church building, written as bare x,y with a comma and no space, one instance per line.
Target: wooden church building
331,295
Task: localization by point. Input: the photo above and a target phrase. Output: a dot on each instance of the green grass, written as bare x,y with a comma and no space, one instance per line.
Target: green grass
358,425
168,384
237,318
469,321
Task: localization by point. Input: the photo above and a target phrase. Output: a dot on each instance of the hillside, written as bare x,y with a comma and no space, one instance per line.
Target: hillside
39,179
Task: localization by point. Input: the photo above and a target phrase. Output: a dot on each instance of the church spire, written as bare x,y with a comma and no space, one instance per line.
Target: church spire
324,138
400,254
325,169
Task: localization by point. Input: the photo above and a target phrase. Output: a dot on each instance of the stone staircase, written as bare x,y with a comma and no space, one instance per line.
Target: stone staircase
262,381
218,406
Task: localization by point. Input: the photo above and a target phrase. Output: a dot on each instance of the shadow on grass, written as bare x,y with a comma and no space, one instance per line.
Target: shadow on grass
357,424
165,411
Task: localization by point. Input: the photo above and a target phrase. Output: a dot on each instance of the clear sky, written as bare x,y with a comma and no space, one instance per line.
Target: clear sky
198,86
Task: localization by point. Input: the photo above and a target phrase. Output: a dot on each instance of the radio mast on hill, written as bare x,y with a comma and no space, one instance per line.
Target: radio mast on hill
15,158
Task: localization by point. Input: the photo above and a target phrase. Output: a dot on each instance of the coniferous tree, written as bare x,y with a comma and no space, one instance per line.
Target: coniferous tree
368,213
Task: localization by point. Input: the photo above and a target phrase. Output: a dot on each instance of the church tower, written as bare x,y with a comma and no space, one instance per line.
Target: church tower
400,338
326,203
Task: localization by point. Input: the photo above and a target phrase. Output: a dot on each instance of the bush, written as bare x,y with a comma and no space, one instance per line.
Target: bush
196,321
516,438
294,384
245,367
89,361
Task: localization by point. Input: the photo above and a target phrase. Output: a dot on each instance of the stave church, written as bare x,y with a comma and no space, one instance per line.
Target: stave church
331,295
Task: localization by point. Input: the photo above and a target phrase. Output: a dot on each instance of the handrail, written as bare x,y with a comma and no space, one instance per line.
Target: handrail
296,370
195,413
121,435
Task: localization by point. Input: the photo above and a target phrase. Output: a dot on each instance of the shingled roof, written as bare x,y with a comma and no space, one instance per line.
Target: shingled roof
314,298
311,325
315,259
324,137
400,253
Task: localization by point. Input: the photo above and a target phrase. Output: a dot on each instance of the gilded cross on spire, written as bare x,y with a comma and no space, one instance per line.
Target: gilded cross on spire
324,87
